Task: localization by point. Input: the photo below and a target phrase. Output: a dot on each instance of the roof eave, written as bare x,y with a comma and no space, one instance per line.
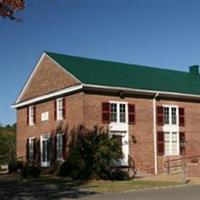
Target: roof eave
143,91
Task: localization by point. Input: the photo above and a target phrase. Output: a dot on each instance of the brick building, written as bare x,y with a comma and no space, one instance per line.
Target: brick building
151,110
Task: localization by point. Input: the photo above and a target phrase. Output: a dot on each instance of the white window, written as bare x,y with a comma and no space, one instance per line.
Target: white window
170,116
118,112
59,147
122,112
166,115
45,145
113,112
59,108
31,149
174,115
171,143
31,115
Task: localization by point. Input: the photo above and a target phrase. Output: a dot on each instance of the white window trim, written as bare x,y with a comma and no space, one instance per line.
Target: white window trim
43,163
170,115
57,135
172,128
170,144
118,111
58,117
121,128
31,115
29,140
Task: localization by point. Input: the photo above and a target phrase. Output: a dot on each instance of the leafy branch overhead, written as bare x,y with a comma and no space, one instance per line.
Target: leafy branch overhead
9,7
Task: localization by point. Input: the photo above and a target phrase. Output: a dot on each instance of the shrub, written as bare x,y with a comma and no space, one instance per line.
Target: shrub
91,155
120,175
14,166
30,171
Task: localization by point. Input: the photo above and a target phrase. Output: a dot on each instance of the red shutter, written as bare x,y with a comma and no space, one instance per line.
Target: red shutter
34,114
63,108
181,117
105,112
37,152
27,116
34,149
159,112
160,143
182,140
27,149
55,110
55,147
131,114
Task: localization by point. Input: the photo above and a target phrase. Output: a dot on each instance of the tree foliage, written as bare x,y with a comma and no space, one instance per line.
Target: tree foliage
8,8
7,143
91,156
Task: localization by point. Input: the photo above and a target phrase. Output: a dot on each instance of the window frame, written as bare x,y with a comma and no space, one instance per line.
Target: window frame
118,113
45,137
170,115
60,148
31,115
170,141
59,110
31,153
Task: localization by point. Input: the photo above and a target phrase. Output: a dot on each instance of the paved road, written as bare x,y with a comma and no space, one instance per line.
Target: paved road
177,193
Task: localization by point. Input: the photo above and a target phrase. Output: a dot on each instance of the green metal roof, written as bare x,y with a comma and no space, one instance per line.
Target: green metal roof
115,74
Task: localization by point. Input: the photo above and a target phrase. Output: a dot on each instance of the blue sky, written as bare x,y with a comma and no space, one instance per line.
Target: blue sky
157,33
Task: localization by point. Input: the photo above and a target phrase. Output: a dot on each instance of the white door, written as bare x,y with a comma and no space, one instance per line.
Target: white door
122,137
45,150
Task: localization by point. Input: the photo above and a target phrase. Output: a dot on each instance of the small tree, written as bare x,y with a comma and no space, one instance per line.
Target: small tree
91,155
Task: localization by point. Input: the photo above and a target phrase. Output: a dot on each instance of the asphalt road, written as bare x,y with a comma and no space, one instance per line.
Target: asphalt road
176,193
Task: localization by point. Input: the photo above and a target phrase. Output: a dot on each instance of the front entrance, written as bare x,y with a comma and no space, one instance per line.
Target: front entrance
45,150
122,137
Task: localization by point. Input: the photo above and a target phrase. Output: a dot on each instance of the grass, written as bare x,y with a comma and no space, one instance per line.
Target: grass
101,186
121,186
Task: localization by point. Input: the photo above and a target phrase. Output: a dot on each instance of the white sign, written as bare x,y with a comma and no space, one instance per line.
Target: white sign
44,116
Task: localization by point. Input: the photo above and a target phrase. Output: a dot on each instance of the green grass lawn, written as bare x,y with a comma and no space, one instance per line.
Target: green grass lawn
120,186
101,186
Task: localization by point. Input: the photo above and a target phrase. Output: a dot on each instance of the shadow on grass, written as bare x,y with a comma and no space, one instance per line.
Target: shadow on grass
12,188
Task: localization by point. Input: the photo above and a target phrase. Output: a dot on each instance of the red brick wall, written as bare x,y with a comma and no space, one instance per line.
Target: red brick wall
142,151
47,78
86,109
191,129
74,116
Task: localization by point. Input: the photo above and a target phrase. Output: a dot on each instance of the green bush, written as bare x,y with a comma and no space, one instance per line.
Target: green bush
14,166
120,175
91,155
30,171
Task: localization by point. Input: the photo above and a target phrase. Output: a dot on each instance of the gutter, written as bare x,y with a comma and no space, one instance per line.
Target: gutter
105,88
155,134
48,96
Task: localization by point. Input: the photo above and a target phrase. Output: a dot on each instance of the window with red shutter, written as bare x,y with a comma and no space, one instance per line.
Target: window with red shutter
160,143
159,112
131,114
105,112
181,117
182,142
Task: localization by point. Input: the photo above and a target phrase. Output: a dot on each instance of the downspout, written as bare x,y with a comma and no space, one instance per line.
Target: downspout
155,134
